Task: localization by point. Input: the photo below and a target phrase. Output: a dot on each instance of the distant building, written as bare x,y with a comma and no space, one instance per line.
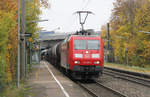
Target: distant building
45,34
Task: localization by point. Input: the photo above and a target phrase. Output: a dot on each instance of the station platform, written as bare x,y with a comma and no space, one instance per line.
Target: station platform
47,81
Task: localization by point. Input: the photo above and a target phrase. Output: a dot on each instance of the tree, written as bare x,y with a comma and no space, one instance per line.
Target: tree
128,18
8,35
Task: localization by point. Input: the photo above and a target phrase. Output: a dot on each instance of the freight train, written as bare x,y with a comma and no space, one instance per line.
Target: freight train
81,56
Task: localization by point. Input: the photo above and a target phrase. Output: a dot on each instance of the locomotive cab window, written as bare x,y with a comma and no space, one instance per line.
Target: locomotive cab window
86,44
80,44
93,44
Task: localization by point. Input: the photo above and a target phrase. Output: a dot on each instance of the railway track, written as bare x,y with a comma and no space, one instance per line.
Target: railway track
96,89
142,75
128,77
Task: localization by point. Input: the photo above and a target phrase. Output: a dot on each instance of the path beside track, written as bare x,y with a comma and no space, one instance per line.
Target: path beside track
47,81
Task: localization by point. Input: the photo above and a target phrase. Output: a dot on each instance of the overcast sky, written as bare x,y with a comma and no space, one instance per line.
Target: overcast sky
61,14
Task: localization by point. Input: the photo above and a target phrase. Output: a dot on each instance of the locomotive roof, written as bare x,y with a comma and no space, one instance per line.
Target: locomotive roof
83,36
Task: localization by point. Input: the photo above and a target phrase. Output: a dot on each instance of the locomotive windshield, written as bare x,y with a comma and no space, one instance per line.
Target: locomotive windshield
93,44
86,44
80,44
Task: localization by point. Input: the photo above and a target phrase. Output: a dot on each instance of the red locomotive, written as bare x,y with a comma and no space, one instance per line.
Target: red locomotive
81,56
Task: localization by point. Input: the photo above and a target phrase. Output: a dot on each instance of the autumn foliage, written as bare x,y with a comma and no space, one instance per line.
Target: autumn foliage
8,40
129,21
8,35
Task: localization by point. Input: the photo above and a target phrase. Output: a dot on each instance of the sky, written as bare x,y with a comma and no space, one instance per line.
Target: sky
61,14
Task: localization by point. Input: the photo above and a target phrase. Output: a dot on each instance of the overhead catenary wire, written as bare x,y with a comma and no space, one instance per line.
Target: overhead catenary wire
87,2
81,5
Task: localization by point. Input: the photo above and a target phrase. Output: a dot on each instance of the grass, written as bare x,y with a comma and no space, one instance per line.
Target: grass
145,69
13,91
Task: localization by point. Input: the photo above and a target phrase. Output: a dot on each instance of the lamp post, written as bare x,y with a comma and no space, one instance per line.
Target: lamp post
22,38
146,32
127,58
36,21
108,39
21,57
18,58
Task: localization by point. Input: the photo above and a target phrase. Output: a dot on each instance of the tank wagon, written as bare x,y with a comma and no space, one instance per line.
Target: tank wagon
80,56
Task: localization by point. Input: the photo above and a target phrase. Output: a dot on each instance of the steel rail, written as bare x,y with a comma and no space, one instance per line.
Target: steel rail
128,77
88,90
110,89
101,86
141,75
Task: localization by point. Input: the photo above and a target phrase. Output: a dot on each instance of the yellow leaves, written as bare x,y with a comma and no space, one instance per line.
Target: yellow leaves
132,48
146,48
30,39
126,22
103,31
145,42
32,14
8,39
9,75
143,16
9,46
8,5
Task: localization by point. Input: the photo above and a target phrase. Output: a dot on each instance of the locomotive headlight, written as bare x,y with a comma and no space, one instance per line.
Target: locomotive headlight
78,55
77,62
95,56
96,62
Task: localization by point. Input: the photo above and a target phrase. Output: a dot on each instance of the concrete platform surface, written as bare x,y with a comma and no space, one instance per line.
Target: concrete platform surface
47,81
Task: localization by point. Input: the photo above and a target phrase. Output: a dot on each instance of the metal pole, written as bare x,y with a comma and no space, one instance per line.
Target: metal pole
30,56
108,41
30,53
23,41
39,51
127,53
18,67
26,62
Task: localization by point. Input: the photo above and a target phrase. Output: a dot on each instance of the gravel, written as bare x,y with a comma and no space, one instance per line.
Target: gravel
126,87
